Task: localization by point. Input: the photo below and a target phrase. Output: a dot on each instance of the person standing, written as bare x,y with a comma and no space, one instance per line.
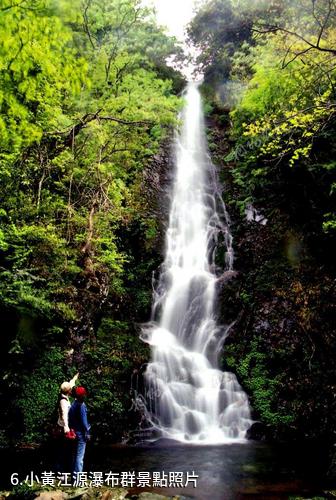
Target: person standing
64,404
65,437
78,421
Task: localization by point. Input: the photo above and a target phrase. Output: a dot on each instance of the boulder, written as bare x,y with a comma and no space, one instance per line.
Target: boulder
52,495
257,432
151,496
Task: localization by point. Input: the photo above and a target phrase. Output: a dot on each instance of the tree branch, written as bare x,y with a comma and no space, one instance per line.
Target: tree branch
126,122
301,111
275,29
86,23
324,23
66,137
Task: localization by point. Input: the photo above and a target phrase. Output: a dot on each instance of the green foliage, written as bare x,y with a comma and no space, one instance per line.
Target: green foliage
82,109
273,80
272,64
39,395
23,492
109,365
303,498
38,67
86,99
108,377
253,369
284,125
329,224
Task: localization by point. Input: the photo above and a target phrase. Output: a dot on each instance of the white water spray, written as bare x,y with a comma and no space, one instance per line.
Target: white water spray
190,399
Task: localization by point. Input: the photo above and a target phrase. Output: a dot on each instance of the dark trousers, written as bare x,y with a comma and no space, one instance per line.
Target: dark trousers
64,454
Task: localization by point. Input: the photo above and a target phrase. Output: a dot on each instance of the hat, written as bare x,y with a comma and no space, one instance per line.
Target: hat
80,391
65,387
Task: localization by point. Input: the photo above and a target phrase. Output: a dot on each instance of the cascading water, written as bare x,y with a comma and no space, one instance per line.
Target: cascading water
191,400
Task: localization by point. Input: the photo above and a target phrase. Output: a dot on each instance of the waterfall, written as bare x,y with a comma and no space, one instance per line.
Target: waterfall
188,398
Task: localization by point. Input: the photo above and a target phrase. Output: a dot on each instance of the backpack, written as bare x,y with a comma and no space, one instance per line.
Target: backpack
56,431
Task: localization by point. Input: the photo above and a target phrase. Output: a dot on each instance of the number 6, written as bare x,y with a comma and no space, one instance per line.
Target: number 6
14,479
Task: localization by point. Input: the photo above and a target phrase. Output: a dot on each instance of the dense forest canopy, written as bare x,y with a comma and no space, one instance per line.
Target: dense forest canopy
82,107
279,60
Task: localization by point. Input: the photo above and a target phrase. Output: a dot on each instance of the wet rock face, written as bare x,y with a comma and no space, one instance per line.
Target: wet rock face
156,187
282,345
283,341
258,432
277,346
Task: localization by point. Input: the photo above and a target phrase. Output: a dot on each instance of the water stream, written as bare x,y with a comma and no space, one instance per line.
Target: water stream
191,399
230,472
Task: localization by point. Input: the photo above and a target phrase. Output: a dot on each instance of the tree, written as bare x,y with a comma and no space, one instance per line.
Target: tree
82,111
218,31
